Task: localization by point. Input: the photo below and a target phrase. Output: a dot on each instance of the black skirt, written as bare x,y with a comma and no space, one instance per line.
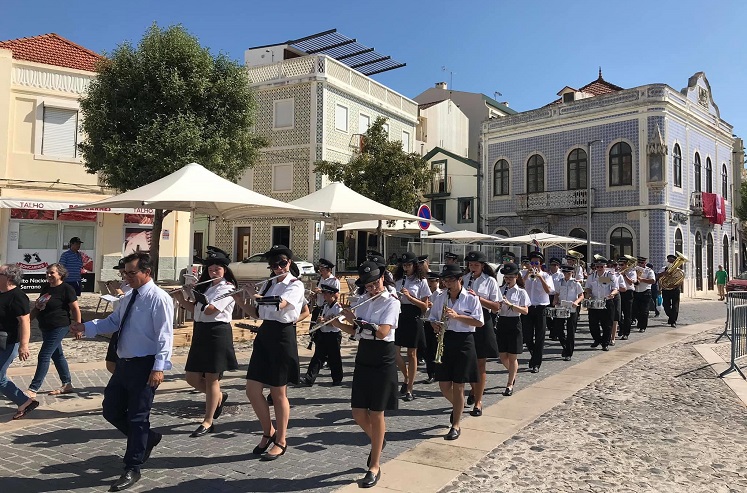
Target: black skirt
111,350
485,341
616,308
274,360
409,331
212,348
375,377
509,335
459,361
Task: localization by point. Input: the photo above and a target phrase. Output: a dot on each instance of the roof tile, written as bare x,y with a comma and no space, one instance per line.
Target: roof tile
52,49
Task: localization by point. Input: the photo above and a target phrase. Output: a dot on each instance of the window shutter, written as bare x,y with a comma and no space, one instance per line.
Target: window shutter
60,134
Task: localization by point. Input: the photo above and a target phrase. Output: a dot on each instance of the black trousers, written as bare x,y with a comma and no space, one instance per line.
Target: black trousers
626,312
566,330
600,324
671,302
641,303
327,348
533,332
551,326
127,402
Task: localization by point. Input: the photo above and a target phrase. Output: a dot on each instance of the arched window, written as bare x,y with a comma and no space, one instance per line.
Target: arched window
577,169
697,173
621,165
535,174
678,241
724,181
709,176
578,233
501,232
698,261
677,165
500,178
621,242
725,253
709,260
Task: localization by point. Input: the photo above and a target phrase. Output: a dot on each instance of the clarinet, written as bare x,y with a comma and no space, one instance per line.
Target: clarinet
313,334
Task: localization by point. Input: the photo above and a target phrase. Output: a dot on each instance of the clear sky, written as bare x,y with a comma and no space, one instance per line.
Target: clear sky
527,50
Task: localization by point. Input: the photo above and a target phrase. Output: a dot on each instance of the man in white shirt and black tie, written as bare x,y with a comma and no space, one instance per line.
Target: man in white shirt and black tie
144,320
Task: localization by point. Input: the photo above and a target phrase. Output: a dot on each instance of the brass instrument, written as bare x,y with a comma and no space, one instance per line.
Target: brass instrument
444,323
673,277
578,256
631,262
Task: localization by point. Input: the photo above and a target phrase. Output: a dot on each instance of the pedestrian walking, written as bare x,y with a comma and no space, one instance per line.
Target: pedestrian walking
721,277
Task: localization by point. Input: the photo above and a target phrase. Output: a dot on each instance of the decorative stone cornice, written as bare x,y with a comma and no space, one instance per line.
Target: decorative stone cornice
52,80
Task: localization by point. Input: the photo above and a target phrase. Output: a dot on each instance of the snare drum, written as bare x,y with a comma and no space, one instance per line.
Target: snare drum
598,304
562,312
549,312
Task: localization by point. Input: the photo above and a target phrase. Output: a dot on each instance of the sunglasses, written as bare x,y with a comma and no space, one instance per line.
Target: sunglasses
534,263
275,265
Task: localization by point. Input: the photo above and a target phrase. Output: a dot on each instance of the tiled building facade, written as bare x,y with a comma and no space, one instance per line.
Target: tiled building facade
647,189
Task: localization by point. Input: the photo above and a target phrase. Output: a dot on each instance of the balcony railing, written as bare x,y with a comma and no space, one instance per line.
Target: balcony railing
553,201
696,202
439,187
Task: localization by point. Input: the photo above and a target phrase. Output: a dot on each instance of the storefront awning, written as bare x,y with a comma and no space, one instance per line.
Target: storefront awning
51,205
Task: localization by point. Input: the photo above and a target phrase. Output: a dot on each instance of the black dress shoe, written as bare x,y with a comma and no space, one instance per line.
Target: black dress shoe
268,456
156,440
476,411
383,446
126,480
595,344
470,399
535,369
202,431
369,480
430,380
259,450
453,434
508,391
605,348
409,397
306,382
623,338
219,409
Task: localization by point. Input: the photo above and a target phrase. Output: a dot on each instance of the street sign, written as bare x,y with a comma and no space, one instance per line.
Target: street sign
425,212
424,234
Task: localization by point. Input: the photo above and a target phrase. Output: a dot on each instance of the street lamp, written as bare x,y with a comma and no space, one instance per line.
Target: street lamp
588,197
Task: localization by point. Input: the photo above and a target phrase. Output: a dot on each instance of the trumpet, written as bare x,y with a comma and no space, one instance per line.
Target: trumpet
352,308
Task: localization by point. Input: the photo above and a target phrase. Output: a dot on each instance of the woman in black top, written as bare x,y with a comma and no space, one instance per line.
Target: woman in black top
16,328
56,308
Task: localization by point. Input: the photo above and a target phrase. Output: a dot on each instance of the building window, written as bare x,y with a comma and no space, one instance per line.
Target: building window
621,165
677,165
283,114
577,169
502,232
578,233
281,235
500,178
725,252
678,241
282,179
385,127
535,174
621,242
698,183
465,210
364,123
439,177
709,176
59,132
438,210
341,118
724,181
405,141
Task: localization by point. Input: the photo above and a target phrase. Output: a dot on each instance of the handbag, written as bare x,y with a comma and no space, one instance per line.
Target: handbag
3,340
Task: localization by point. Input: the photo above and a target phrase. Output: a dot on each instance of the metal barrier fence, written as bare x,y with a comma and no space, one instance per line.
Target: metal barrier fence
733,299
736,325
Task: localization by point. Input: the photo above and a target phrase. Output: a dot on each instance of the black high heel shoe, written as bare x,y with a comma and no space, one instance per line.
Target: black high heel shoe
259,450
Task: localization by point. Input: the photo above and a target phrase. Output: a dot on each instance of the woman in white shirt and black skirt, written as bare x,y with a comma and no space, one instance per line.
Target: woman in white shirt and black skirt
211,352
274,360
461,313
375,374
508,329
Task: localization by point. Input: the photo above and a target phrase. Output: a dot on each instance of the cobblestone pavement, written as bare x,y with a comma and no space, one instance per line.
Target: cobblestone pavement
81,452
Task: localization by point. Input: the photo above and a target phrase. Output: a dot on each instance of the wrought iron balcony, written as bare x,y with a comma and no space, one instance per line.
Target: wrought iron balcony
696,203
555,202
439,187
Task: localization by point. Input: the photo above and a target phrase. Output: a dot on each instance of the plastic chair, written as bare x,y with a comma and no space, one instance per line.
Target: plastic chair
106,296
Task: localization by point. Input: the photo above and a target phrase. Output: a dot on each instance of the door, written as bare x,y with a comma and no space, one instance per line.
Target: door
243,243
698,262
197,248
709,261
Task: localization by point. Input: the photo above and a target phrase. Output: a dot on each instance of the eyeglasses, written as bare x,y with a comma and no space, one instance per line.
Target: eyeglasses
282,263
534,263
508,258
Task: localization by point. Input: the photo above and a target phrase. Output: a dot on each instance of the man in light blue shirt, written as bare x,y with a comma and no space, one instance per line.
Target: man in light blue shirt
72,259
144,319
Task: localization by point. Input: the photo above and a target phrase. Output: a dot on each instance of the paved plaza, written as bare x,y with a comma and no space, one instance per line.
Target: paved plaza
649,415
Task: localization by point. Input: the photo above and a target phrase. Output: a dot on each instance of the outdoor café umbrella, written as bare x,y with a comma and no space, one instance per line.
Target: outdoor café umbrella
398,228
467,236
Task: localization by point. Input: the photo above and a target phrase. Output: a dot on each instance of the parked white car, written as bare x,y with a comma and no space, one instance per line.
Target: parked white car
255,268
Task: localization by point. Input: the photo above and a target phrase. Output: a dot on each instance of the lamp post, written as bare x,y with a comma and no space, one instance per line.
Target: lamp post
588,197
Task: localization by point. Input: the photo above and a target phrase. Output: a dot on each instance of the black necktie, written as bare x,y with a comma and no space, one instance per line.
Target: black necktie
126,313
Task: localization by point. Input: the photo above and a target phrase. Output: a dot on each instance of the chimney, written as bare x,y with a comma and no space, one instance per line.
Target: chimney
441,85
505,103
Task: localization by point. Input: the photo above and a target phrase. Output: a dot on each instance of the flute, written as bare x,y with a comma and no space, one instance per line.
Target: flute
352,308
236,291
176,290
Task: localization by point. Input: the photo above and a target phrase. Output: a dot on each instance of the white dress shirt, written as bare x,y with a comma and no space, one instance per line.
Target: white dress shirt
601,286
516,296
418,288
291,290
328,312
536,291
484,286
384,310
568,290
224,305
465,304
647,273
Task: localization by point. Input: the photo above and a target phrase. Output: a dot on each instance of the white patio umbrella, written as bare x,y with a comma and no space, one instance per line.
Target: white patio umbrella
342,204
547,240
467,236
195,189
399,227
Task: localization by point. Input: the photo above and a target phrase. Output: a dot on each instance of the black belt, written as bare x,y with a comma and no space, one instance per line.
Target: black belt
138,358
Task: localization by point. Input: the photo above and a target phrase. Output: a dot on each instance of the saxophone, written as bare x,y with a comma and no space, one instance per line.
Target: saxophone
444,323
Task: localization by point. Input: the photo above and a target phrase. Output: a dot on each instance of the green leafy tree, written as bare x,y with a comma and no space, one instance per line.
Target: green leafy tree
382,171
741,209
161,105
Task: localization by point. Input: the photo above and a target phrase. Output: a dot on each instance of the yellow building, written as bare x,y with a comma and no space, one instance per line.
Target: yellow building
41,171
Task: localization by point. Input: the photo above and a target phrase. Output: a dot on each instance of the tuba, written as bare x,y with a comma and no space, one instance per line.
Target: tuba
673,277
631,264
578,256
